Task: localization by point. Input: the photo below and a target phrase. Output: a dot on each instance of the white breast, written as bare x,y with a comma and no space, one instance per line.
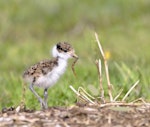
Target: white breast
52,77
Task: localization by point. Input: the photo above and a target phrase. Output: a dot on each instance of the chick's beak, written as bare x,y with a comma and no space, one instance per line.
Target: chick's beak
75,56
72,54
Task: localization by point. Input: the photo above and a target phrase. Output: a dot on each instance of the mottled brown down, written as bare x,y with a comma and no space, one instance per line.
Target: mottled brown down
41,68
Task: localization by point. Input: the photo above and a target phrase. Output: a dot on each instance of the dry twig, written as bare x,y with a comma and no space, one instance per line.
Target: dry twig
140,99
99,68
106,68
118,95
86,95
83,95
129,91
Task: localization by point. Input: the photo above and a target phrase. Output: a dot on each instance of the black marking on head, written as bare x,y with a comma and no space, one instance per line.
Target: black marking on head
58,46
64,47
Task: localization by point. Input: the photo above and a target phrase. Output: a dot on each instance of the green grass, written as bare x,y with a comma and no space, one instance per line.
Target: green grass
29,29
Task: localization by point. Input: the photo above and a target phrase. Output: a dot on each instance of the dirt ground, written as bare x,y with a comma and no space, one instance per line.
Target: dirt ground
108,115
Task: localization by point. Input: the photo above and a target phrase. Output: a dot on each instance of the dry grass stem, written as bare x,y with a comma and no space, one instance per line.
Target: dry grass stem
81,90
76,92
122,104
129,91
86,95
139,99
118,95
106,68
22,103
99,68
83,95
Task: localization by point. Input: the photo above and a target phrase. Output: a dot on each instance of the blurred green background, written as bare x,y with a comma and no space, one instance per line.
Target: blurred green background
29,29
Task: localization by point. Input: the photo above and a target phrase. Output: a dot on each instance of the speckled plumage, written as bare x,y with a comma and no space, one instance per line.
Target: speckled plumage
40,69
46,73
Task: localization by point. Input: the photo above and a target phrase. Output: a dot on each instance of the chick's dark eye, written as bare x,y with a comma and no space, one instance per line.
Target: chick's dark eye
58,46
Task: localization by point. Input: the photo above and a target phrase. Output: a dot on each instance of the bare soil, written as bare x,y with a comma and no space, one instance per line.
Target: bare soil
108,115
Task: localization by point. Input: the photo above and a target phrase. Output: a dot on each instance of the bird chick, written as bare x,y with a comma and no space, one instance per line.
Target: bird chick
47,72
